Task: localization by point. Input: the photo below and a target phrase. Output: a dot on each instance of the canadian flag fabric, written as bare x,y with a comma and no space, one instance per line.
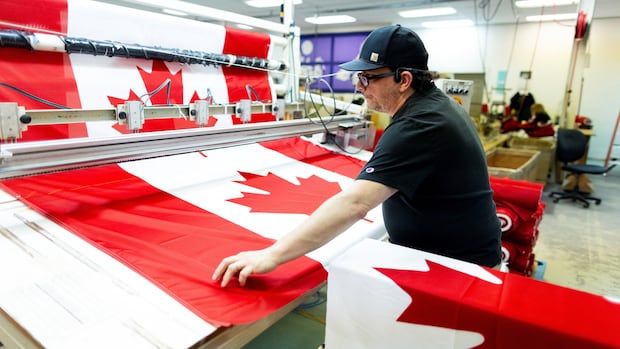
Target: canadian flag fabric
386,296
85,81
67,294
172,219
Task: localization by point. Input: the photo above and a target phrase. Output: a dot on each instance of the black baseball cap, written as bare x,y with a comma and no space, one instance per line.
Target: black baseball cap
392,46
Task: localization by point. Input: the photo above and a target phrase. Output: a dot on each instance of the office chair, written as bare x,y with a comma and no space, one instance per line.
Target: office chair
572,145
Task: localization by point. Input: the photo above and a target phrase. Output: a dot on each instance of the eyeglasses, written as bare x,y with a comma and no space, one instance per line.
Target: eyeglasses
364,79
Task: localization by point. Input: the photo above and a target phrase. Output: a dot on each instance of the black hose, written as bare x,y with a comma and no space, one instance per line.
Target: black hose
12,38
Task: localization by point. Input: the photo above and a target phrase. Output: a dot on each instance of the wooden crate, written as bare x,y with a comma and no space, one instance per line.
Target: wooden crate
513,163
546,147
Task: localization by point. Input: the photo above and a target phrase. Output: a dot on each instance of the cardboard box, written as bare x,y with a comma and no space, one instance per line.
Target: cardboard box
546,146
513,163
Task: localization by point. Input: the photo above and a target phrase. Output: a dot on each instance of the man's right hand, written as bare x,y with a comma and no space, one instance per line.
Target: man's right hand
245,264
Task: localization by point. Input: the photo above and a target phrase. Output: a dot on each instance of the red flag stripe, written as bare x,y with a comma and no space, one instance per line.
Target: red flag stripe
310,153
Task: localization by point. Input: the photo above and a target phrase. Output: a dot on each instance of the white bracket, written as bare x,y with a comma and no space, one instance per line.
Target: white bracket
199,112
243,109
278,109
131,113
10,125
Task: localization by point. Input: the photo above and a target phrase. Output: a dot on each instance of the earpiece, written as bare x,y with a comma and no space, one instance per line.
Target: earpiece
397,76
399,72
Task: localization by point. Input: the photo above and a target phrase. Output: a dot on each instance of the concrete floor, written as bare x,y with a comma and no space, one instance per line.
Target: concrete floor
580,247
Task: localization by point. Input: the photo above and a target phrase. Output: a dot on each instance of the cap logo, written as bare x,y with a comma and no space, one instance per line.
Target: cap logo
374,57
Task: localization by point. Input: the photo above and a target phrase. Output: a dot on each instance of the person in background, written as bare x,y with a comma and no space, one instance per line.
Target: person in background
539,124
539,117
428,170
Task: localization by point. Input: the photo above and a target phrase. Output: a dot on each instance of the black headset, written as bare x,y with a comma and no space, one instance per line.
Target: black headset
399,71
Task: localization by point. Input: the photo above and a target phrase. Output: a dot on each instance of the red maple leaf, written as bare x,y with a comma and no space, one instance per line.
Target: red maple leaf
157,76
284,196
116,101
152,81
519,313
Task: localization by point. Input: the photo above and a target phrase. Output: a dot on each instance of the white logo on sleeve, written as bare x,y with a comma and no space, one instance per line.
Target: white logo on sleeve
370,169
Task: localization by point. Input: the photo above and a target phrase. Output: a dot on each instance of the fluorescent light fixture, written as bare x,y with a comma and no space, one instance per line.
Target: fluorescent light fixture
174,12
427,12
244,26
544,3
449,24
269,3
199,11
556,17
330,19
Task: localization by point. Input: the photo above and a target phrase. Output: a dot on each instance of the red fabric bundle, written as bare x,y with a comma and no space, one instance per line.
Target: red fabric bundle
520,210
522,193
508,218
525,234
510,125
520,258
523,265
542,131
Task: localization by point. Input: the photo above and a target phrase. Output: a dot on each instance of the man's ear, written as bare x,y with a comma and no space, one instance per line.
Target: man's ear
405,79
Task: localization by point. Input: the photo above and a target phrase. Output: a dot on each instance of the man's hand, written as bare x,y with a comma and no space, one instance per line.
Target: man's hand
245,264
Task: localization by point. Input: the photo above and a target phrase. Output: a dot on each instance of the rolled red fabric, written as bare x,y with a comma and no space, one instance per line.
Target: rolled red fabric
518,256
508,219
526,234
522,264
522,193
530,267
543,131
510,125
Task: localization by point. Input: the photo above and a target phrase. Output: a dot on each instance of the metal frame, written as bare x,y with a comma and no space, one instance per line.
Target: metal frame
22,159
286,33
14,119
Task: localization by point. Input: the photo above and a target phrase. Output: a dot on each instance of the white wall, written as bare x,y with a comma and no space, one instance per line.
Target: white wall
462,49
459,50
601,89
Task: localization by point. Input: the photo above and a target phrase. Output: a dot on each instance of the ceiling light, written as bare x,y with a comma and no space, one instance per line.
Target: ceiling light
174,12
244,26
269,3
448,24
543,3
556,17
330,19
199,11
427,12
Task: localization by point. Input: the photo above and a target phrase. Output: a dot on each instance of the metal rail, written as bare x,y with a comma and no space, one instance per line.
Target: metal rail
23,159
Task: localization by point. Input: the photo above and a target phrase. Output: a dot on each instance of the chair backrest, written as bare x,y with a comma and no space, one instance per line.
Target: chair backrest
571,145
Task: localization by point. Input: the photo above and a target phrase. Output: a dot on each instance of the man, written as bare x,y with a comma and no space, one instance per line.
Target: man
428,169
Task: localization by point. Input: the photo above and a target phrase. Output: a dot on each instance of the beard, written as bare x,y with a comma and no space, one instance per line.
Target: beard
382,103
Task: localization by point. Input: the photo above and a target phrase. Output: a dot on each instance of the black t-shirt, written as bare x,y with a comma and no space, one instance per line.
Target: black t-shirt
522,105
542,118
432,155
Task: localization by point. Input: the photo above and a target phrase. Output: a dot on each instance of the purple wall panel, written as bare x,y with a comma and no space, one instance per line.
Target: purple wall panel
347,46
341,82
316,49
329,50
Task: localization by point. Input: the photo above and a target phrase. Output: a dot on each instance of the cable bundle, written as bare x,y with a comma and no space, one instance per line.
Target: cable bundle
519,210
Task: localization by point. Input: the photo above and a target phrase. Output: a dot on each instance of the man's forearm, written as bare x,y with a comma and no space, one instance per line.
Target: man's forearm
332,218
